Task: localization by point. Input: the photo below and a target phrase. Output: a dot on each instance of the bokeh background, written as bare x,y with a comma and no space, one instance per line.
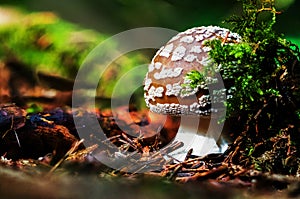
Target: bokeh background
118,15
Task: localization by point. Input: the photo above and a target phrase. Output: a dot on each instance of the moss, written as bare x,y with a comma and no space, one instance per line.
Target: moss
262,72
261,67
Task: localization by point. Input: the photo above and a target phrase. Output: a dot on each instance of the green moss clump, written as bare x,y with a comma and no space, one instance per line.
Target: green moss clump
262,67
263,74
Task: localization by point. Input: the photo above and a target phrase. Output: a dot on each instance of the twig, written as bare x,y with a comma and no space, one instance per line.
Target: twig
13,129
204,175
175,171
71,150
17,138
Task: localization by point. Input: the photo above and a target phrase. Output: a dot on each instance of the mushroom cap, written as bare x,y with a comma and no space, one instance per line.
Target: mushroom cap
163,85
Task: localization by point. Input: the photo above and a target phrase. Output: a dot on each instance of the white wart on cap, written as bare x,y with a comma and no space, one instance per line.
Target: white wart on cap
185,52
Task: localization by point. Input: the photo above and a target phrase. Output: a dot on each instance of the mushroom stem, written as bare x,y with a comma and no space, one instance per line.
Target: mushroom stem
202,134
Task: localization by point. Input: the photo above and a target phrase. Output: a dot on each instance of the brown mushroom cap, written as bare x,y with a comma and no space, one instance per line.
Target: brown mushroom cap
163,90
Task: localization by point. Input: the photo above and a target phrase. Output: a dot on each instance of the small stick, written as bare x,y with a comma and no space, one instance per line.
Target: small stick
17,138
175,171
225,39
71,150
12,128
198,170
207,174
189,153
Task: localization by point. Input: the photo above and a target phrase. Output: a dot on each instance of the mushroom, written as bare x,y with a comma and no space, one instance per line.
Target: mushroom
164,92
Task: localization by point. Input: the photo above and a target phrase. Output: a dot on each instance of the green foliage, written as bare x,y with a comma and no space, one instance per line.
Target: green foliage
195,79
298,113
263,74
45,42
34,108
261,68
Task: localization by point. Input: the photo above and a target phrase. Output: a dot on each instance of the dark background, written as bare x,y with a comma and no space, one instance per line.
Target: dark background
113,16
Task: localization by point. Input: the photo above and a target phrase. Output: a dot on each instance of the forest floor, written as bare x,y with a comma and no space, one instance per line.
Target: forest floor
42,156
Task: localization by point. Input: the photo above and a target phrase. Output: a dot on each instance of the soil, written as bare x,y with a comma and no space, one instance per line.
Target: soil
42,155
